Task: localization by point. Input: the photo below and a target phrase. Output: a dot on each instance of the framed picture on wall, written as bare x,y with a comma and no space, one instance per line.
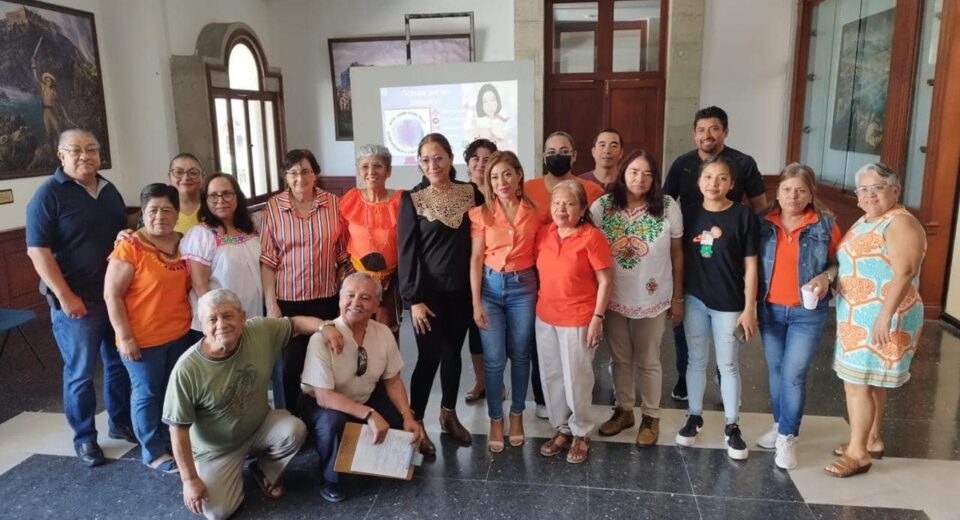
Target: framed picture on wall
50,81
384,50
862,78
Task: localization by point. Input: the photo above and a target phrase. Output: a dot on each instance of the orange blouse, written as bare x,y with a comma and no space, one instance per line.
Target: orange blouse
536,190
371,226
157,302
784,285
508,246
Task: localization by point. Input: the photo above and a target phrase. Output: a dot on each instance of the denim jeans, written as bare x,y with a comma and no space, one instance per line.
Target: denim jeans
701,323
80,341
791,336
148,377
510,300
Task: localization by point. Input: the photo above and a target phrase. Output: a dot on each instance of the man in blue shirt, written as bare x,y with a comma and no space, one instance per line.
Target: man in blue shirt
72,221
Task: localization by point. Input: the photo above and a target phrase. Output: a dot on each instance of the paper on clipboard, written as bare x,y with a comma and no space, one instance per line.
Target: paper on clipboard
393,458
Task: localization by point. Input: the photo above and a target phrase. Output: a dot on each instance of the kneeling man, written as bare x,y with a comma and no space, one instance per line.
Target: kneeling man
346,387
216,406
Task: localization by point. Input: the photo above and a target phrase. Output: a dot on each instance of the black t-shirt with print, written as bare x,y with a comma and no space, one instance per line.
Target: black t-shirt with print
681,182
714,246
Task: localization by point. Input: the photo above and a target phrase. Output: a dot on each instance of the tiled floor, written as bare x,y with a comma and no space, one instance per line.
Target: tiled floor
40,478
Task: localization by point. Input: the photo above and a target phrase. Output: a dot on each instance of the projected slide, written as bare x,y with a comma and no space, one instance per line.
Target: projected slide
461,111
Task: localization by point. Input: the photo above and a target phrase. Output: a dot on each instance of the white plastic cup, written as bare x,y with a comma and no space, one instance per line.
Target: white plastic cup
809,297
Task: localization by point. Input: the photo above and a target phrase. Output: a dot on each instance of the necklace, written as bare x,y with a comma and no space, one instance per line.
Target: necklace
175,255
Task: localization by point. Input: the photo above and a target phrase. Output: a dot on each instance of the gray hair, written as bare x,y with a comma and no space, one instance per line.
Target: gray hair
76,132
363,277
883,171
560,133
580,193
376,151
217,297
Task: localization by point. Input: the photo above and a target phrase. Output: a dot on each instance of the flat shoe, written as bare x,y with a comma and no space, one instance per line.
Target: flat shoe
554,446
846,467
475,396
167,467
841,449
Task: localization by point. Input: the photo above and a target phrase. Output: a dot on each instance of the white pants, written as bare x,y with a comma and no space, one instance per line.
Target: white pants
566,371
276,442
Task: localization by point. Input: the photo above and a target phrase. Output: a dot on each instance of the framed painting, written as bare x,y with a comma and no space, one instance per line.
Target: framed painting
384,50
862,78
50,81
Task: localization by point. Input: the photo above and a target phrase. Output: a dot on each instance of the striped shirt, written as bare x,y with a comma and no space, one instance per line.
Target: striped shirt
304,250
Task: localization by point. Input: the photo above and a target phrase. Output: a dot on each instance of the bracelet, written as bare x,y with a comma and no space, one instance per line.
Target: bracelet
595,315
676,300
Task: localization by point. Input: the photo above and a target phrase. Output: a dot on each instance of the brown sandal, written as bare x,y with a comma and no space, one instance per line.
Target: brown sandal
273,490
558,443
845,467
841,449
578,450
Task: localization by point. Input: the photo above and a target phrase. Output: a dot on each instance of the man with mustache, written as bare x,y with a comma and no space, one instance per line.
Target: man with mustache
709,134
217,410
361,385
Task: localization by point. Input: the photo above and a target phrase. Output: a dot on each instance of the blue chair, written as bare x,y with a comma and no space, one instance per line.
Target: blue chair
13,319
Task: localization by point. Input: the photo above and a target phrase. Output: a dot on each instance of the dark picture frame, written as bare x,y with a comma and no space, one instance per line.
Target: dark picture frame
50,80
384,50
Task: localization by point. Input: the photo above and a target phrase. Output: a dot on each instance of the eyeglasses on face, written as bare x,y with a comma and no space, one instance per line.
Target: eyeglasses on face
226,196
91,151
874,189
192,173
436,159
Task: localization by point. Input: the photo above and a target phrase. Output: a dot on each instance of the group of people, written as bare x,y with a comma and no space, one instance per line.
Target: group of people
196,311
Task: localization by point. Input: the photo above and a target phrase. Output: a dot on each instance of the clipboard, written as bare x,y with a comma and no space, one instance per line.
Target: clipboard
348,449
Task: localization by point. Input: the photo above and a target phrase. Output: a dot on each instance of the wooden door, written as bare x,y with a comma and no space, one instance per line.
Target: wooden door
604,68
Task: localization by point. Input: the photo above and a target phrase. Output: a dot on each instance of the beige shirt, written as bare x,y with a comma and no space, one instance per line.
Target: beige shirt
337,372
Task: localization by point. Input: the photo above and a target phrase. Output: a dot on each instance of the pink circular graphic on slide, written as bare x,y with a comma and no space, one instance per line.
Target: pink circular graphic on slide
405,131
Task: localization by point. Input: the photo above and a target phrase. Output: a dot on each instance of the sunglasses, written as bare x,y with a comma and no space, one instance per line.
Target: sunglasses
361,360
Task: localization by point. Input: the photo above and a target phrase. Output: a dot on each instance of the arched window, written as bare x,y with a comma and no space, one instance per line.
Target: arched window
248,109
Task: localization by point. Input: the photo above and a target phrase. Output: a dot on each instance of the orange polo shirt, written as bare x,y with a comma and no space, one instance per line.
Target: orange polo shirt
568,280
507,246
784,285
536,190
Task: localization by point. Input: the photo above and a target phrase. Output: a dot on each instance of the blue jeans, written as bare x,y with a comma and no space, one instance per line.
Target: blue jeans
80,341
510,300
149,376
791,336
701,323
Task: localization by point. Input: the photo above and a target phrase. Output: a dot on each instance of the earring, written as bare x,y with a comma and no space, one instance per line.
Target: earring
519,192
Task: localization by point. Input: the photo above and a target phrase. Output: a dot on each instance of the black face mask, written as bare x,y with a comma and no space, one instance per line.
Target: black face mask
557,164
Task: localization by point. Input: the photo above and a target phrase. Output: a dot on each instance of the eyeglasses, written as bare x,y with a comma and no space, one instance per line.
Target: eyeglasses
874,189
192,173
361,360
437,159
77,152
299,173
226,196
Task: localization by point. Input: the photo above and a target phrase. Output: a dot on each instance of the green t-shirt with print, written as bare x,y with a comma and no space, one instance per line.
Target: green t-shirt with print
225,401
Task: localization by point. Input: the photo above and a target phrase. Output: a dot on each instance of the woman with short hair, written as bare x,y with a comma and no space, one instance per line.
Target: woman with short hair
145,290
573,261
369,216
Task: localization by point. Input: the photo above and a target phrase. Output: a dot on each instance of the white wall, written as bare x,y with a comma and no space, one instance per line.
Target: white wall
747,70
300,29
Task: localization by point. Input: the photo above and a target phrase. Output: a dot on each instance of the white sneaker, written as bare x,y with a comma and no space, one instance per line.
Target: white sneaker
769,440
786,457
542,412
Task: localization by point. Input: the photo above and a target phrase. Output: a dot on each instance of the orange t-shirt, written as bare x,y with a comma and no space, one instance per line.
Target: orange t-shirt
568,280
536,190
508,246
157,301
371,226
784,286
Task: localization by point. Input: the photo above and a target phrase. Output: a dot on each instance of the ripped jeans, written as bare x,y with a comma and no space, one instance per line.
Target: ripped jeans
702,323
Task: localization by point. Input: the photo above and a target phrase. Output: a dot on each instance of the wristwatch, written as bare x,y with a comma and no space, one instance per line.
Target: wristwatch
325,325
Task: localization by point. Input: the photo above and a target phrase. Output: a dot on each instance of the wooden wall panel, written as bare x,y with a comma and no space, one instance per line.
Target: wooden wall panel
577,109
636,111
18,280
